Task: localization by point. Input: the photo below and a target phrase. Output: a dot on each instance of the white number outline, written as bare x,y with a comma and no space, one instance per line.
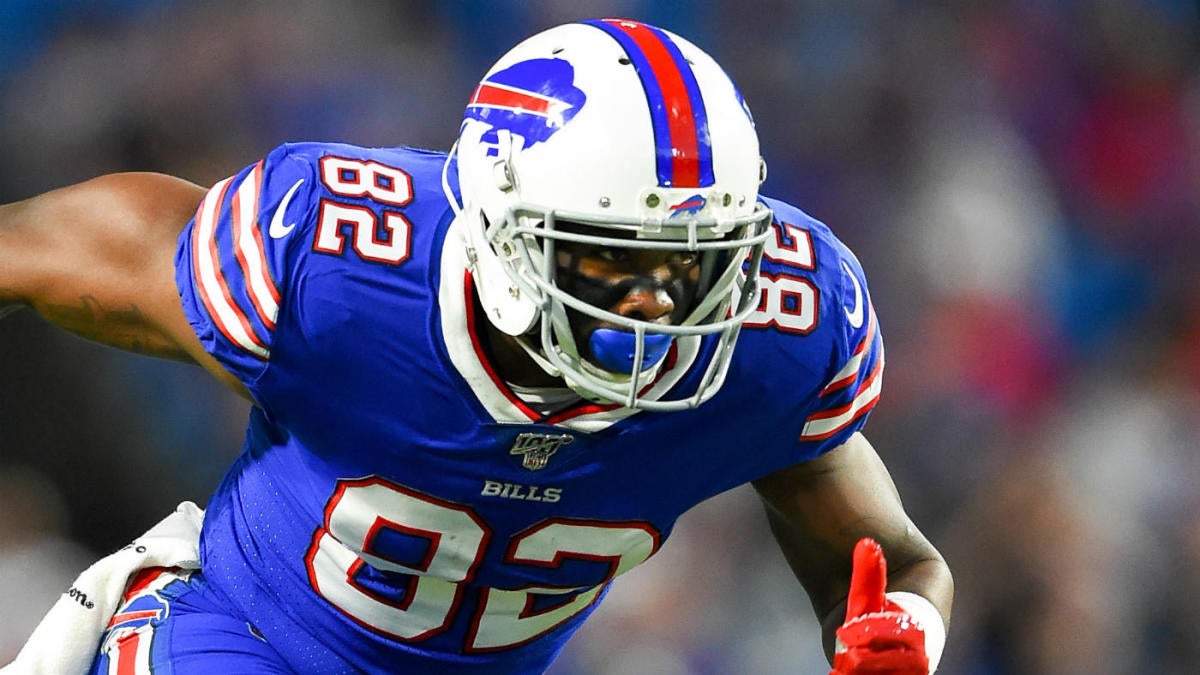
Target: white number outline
341,547
581,597
328,551
399,194
395,190
795,254
772,310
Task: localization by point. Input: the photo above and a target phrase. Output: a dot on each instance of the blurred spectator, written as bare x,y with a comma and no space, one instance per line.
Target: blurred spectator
38,559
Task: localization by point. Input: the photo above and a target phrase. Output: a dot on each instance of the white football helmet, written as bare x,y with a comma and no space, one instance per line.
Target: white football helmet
639,135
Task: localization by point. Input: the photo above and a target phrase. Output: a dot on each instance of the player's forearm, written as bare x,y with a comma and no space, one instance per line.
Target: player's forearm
10,299
14,267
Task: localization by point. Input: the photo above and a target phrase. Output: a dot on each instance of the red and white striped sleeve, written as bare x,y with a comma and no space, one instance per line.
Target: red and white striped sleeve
853,390
233,259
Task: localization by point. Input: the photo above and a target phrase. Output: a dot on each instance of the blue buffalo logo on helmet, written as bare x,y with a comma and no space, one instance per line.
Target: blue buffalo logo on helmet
531,99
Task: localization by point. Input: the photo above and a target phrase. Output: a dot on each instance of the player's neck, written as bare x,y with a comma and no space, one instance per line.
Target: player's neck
512,363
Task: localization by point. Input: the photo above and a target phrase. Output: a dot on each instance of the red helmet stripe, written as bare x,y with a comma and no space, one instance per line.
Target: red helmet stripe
677,111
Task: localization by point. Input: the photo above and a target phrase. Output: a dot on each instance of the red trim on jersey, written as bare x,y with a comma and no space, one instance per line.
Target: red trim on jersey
477,345
588,407
859,352
223,286
560,556
409,594
867,405
242,228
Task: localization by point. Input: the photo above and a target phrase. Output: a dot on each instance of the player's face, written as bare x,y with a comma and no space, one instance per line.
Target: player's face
650,285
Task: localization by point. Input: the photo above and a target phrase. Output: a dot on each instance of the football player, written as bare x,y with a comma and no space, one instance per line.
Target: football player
486,382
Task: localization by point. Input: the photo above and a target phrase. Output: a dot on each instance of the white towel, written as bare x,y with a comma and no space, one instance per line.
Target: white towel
66,640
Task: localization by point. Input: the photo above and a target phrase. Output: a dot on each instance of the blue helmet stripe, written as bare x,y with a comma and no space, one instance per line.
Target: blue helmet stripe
678,117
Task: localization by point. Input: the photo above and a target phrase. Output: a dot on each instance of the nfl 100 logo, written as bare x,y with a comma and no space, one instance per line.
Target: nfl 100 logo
535,449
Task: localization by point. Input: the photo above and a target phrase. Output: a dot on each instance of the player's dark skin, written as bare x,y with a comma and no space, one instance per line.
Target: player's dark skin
97,259
655,286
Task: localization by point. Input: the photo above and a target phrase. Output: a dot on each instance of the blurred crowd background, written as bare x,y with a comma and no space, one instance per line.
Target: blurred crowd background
1020,179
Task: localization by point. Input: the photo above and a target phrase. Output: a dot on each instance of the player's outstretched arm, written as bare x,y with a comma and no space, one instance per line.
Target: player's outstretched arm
97,259
820,510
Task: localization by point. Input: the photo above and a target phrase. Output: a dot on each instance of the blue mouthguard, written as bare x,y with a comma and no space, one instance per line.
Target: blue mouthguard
614,349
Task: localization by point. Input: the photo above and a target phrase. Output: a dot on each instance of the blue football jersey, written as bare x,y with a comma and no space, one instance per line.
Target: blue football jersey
397,507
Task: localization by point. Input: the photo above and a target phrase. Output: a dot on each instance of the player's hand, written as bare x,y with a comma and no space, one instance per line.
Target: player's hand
878,636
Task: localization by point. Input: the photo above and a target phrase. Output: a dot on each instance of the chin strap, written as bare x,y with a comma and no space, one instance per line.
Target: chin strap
537,356
446,189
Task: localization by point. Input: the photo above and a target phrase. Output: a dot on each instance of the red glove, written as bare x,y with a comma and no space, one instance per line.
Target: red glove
878,636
